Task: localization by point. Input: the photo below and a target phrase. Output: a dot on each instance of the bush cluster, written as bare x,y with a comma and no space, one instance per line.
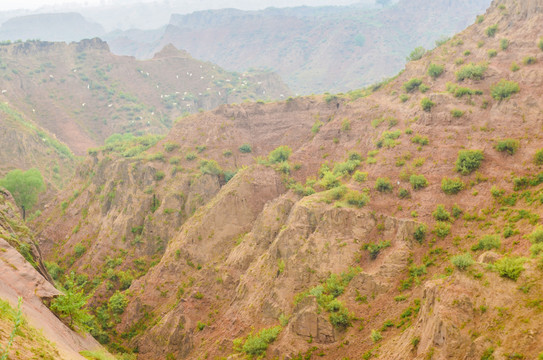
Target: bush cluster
471,71
509,146
452,186
504,89
468,161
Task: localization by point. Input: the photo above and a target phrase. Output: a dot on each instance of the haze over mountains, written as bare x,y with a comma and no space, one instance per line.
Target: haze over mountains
400,221
313,49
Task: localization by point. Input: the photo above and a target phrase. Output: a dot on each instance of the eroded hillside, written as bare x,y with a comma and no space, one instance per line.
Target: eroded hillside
23,275
405,224
82,93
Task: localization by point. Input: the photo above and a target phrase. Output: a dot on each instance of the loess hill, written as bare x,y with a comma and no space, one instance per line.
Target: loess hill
404,224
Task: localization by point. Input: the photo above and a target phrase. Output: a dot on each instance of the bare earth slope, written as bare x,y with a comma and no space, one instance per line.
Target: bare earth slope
345,271
18,278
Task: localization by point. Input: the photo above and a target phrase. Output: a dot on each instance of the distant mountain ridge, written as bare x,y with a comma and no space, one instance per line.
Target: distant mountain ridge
314,50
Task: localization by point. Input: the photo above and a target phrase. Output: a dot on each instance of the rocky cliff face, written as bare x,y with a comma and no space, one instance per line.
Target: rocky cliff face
308,258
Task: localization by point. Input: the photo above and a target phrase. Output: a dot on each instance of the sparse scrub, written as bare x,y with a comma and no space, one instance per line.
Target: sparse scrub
491,30
360,176
509,146
442,229
412,85
421,140
435,70
487,242
416,54
492,53
457,113
245,149
420,233
356,198
504,44
462,261
504,89
418,182
468,161
210,167
383,185
376,336
529,60
257,344
510,267
540,44
538,157
280,154
471,71
452,186
514,67
427,104
440,214
375,248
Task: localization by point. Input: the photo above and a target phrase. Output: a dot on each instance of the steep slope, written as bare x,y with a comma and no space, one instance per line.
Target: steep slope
25,145
52,27
313,49
316,260
26,277
82,93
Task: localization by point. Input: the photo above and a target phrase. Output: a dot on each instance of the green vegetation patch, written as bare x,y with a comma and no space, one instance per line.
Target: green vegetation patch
504,89
468,161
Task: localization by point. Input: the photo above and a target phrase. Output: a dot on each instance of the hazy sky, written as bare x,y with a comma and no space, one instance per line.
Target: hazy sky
35,4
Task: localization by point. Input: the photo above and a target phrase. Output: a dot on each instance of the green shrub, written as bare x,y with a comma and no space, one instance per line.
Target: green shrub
404,193
441,214
480,19
491,30
504,44
360,176
427,104
356,198
419,139
457,113
375,336
418,181
190,156
420,233
514,67
117,303
435,70
388,139
284,167
170,146
538,157
442,229
509,146
504,89
416,54
345,125
492,53
375,248
529,60
245,148
459,91
174,160
210,167
280,154
404,98
159,175
540,44
510,267
337,193
462,261
383,185
468,161
24,186
227,153
471,71
536,237
79,250
412,84
256,345
487,242
452,186
488,354
424,88
316,126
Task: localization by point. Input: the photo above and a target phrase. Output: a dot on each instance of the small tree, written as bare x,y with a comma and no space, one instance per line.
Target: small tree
72,304
25,187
